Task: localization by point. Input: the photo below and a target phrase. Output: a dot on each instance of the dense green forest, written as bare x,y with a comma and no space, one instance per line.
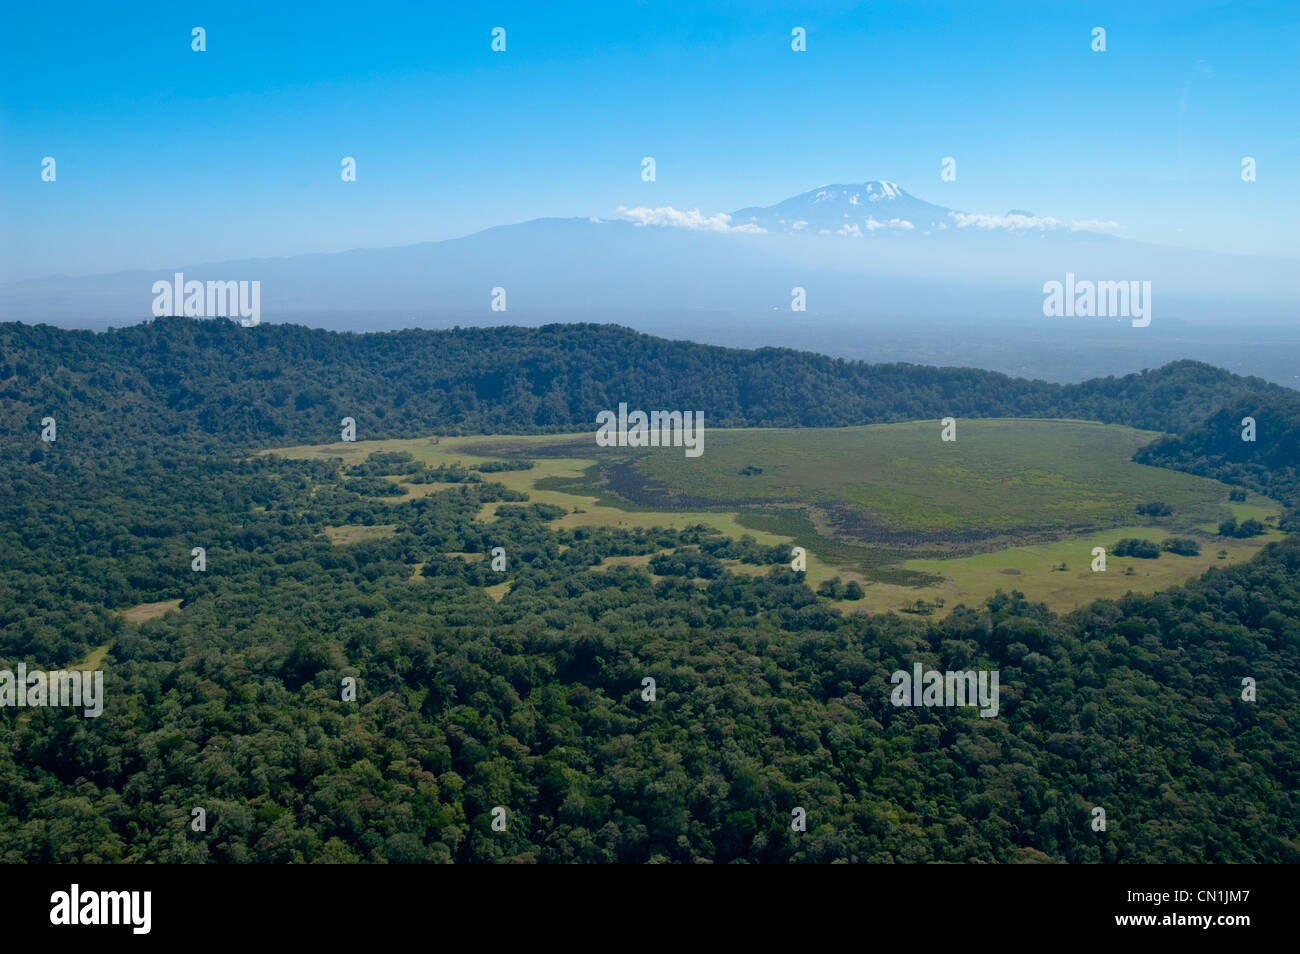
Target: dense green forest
1214,446
767,698
273,385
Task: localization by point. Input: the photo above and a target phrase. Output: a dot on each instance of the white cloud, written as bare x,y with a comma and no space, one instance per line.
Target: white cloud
982,220
682,219
903,224
1042,222
1095,225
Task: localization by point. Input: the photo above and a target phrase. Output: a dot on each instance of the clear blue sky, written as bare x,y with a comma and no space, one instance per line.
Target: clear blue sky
166,156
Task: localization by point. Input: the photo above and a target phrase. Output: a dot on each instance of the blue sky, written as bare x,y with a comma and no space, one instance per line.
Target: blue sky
169,157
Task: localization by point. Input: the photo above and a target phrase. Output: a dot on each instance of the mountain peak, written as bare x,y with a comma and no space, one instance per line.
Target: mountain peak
872,191
878,189
847,209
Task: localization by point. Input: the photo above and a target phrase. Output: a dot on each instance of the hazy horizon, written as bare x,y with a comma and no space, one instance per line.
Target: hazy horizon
176,155
879,183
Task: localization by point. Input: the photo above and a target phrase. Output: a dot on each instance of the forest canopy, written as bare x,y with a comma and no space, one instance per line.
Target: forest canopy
526,689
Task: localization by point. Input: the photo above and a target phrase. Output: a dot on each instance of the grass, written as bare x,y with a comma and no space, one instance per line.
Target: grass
415,491
891,506
1254,508
970,579
358,533
95,658
148,611
899,480
135,614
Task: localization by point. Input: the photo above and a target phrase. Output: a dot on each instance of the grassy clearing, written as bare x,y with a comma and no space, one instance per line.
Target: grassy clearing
642,559
746,569
95,658
135,614
1254,507
357,533
891,506
1032,570
148,611
416,491
998,477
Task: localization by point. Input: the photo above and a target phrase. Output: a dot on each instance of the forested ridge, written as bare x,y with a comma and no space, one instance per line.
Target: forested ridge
270,385
1214,447
769,698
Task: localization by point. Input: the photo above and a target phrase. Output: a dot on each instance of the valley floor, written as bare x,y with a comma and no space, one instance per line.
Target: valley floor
1052,565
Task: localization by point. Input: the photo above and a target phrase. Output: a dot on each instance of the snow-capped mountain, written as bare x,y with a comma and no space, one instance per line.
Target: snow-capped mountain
851,210
866,250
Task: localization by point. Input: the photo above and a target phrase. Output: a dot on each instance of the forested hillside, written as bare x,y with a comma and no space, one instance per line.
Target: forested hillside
472,696
1269,463
767,698
271,385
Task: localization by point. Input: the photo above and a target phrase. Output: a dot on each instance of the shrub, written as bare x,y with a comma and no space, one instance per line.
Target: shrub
1142,549
1182,546
1247,528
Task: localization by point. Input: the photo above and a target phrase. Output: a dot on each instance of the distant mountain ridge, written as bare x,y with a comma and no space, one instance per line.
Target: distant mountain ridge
849,210
870,254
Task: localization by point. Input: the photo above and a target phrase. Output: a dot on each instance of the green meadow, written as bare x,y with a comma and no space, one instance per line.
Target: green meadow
1010,504
900,480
